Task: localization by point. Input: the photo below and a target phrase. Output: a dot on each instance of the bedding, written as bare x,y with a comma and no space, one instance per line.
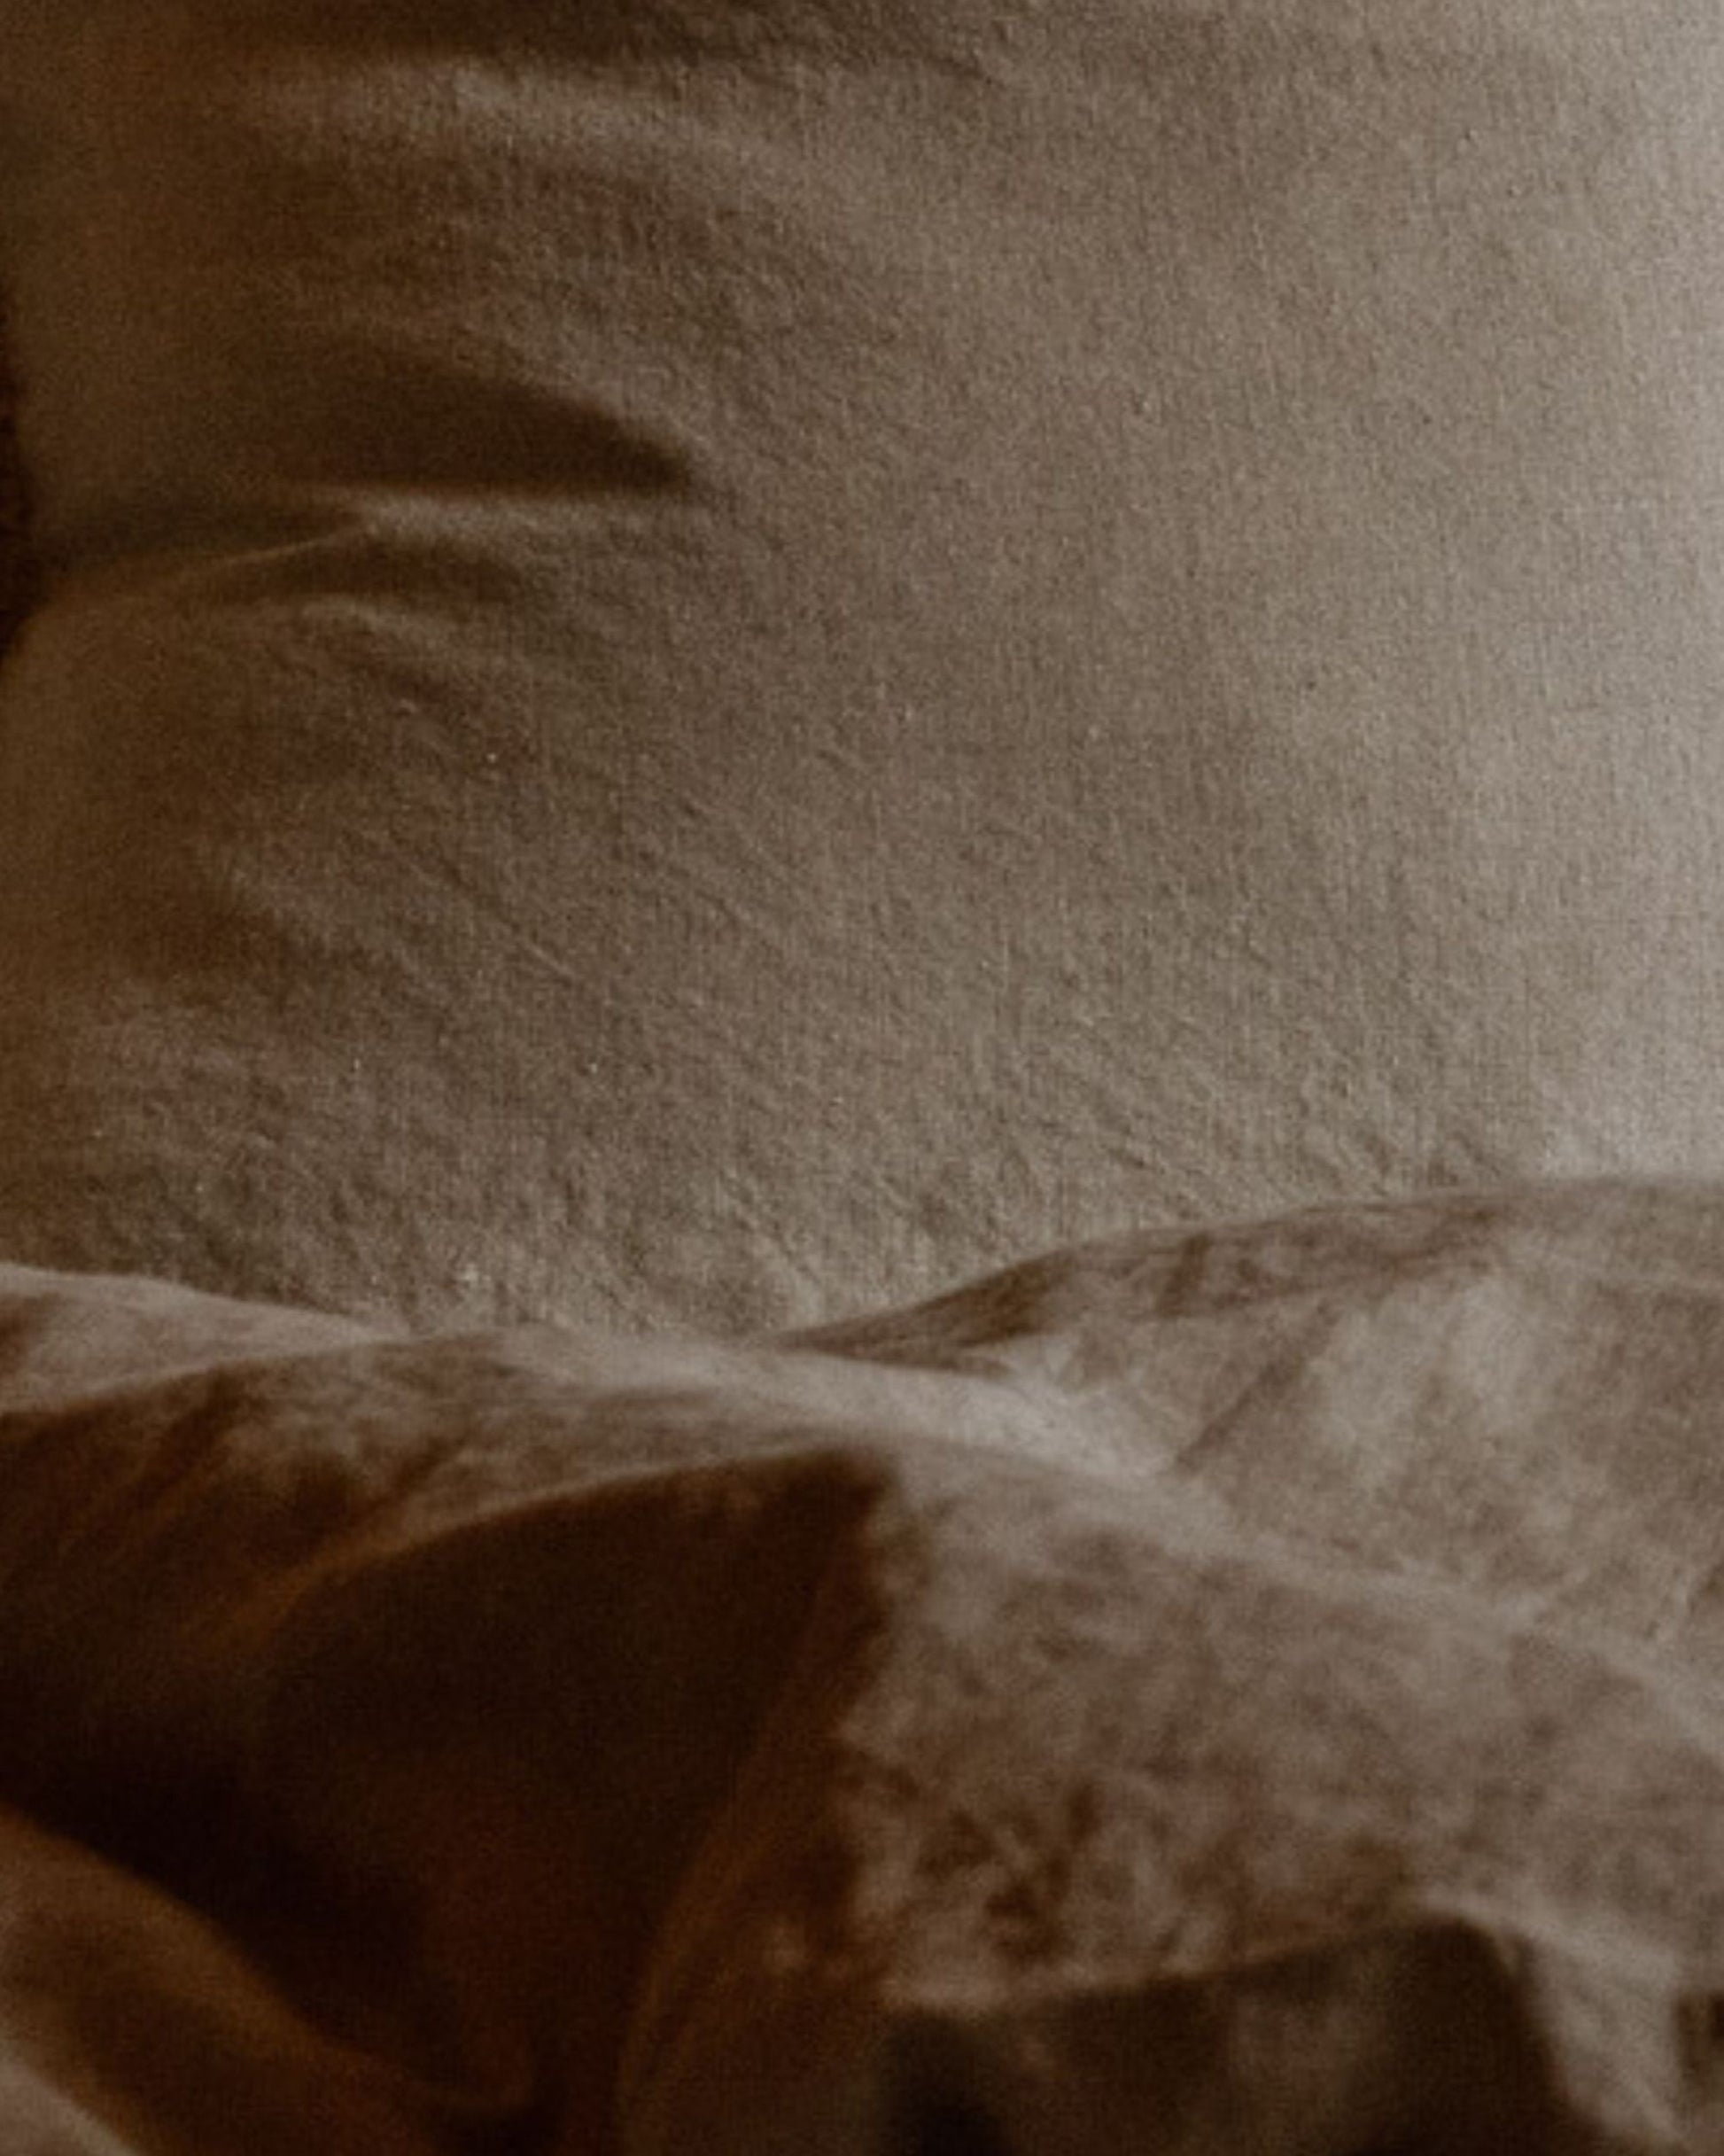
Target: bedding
710,661
1254,1687
682,669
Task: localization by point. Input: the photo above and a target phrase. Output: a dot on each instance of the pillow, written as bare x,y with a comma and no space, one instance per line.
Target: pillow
714,660
1235,1690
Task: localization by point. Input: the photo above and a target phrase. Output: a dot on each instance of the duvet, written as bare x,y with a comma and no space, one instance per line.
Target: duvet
1248,1688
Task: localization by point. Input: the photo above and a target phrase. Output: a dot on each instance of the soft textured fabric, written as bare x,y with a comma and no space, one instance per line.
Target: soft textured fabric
16,578
720,659
1257,1689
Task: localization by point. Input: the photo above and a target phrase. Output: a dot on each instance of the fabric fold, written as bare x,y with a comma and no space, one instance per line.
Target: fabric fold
559,1742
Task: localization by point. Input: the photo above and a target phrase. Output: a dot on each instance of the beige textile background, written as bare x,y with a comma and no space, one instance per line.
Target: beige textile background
724,661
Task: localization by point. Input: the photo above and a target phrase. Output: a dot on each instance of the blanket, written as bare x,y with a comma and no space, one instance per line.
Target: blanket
1254,1687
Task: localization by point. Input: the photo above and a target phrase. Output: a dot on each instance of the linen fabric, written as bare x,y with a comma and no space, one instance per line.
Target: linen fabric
1257,1687
716,661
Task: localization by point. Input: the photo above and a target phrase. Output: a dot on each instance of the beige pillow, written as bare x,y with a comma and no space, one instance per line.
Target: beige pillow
722,661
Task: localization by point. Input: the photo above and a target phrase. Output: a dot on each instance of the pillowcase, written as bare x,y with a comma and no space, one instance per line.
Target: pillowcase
716,659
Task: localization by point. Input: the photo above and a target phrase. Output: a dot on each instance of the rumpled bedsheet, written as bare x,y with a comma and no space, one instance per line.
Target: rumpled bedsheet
1254,1688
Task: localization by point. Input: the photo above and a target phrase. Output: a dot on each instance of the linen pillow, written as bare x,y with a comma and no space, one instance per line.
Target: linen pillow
718,661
